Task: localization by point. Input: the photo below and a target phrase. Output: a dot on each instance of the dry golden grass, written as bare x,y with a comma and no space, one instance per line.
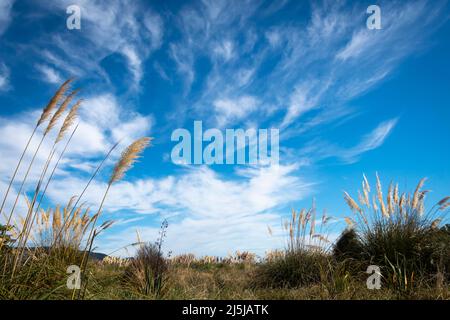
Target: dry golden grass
232,281
53,222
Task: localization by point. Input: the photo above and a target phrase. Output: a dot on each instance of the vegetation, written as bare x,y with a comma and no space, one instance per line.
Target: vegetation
402,238
409,244
39,271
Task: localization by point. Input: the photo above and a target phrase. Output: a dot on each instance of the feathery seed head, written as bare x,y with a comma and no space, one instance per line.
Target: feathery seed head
366,183
58,114
351,203
444,201
417,194
349,221
53,102
128,158
435,223
69,120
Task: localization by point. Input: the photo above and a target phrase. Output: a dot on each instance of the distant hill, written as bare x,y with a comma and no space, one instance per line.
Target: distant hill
98,256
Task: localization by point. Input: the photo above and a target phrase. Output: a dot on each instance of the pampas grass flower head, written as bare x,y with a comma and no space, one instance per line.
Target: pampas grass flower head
58,114
69,120
53,102
128,158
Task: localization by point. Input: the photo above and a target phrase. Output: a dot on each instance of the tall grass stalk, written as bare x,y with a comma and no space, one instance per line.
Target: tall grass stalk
128,158
46,113
68,122
28,223
69,221
93,175
45,188
51,125
301,230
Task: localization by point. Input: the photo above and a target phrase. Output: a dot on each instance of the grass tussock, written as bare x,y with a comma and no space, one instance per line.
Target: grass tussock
409,243
146,273
305,255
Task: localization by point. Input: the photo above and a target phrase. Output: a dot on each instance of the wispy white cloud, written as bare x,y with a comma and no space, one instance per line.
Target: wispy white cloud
305,98
319,149
117,27
5,14
234,110
224,50
216,213
372,140
104,121
50,75
305,66
4,77
210,29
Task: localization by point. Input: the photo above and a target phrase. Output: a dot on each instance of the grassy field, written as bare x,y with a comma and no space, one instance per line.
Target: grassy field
210,280
407,243
239,281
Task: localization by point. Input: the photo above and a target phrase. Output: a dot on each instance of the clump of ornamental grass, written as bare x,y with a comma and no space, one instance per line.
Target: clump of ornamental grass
36,250
42,277
42,272
304,257
128,158
398,234
45,115
54,228
294,270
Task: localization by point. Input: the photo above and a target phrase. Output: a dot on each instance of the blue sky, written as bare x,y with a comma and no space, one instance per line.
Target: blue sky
347,100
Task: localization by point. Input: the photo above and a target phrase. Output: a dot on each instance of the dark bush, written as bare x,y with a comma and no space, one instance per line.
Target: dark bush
147,272
347,246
